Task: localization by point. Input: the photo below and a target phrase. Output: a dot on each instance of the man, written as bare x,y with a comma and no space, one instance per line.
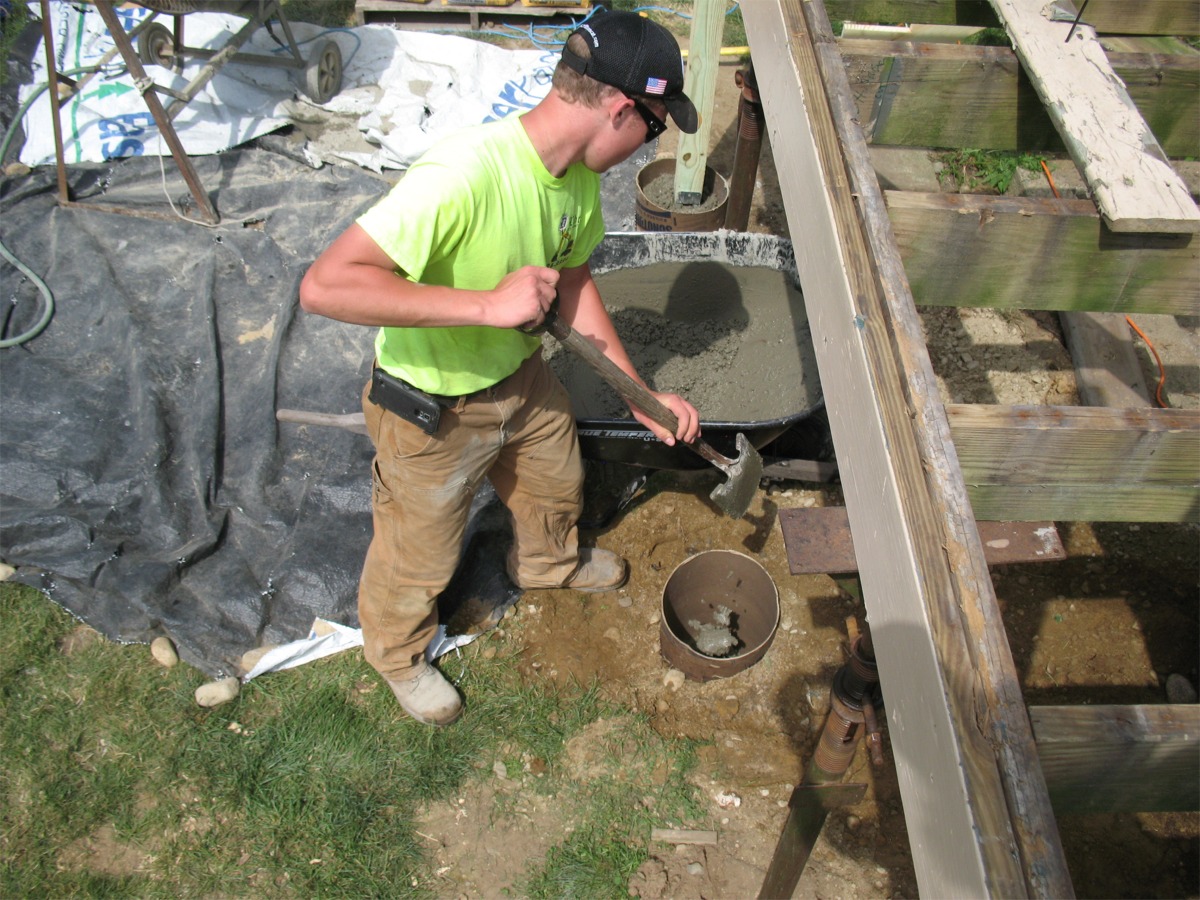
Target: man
476,241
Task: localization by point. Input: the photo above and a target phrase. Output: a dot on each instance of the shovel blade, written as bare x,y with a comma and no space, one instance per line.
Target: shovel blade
734,495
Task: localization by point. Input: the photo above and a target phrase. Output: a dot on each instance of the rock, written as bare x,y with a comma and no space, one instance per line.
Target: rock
500,770
16,170
214,693
1180,690
251,658
728,800
624,602
163,651
727,707
673,679
6,571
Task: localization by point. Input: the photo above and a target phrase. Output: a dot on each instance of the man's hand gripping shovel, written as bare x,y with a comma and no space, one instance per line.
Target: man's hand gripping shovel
734,495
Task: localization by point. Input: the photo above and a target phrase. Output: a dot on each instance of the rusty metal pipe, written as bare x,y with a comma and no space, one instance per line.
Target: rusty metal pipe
851,712
746,152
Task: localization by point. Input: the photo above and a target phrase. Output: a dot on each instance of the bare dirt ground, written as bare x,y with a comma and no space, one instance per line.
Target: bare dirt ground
1107,625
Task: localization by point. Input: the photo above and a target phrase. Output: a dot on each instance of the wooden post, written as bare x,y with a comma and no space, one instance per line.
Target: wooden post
700,83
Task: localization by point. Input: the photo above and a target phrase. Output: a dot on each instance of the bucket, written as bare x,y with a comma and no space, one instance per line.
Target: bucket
658,180
720,611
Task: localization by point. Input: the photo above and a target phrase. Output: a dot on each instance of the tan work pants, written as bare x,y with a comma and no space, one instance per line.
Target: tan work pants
520,434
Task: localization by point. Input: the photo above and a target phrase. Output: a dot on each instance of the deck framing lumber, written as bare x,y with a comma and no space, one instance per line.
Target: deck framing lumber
976,806
959,249
1126,169
1106,16
1079,463
1107,370
1103,759
956,95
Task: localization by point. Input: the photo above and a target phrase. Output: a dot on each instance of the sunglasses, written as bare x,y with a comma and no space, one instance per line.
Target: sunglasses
654,125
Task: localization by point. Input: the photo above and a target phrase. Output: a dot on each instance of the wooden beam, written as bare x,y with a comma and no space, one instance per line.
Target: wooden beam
960,250
819,541
956,95
1087,464
978,817
1106,16
1107,371
1126,169
1103,759
700,84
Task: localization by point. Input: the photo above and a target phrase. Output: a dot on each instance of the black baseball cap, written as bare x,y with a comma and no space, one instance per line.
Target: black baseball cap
638,57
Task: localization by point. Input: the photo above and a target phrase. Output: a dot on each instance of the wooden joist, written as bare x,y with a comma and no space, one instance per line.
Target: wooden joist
1033,253
1106,16
976,807
1101,759
1126,169
956,95
1107,370
1087,464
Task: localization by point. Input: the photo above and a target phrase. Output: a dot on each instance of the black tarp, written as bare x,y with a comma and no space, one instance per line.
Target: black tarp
145,483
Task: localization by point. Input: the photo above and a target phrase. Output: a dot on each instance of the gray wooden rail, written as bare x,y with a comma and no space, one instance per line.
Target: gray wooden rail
915,474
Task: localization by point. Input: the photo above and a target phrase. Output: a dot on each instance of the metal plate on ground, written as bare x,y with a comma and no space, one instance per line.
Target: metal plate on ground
818,541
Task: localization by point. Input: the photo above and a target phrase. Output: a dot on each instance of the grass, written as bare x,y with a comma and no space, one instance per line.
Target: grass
10,29
328,13
116,784
986,171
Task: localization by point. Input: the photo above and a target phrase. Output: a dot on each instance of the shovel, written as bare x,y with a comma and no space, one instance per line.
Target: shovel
732,496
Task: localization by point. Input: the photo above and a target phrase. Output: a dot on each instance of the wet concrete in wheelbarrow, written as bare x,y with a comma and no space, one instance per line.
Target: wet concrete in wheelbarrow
733,340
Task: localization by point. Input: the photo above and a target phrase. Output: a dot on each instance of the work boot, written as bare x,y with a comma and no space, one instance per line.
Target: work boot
428,697
598,570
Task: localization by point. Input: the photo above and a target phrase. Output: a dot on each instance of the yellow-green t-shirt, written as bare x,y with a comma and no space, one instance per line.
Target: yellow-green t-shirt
478,205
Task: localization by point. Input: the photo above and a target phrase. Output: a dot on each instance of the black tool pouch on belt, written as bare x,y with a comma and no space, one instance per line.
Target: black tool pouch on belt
409,403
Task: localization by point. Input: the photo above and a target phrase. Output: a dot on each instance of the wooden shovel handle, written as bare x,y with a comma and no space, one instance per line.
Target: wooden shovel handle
631,392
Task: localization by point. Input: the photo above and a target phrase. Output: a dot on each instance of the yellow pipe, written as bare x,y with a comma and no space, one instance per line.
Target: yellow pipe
727,51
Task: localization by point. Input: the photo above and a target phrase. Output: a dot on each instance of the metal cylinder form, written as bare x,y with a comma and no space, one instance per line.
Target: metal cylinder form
651,216
706,582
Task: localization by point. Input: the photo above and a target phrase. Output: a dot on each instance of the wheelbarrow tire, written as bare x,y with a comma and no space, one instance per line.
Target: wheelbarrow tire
323,74
156,45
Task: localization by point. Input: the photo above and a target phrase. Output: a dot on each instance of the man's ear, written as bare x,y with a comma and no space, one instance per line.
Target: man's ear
615,103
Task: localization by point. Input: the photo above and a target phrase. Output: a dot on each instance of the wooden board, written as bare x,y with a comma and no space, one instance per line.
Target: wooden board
954,95
1103,759
819,541
978,817
1106,16
436,14
1125,168
1067,463
960,250
1107,370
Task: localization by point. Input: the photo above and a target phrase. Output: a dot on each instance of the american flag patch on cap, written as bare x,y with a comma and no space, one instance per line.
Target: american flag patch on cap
656,85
